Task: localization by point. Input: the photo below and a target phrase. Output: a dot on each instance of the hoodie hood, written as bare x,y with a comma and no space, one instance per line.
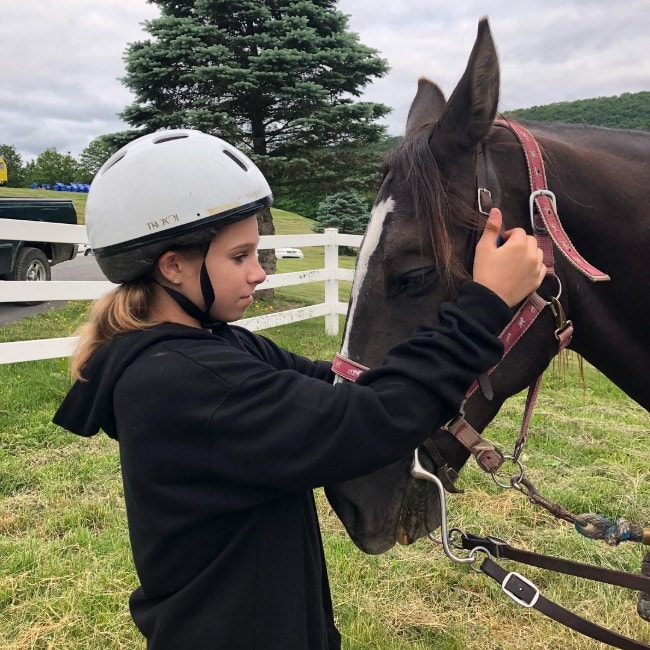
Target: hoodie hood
88,406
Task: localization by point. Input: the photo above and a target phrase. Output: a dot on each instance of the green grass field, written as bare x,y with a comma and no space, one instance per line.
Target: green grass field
65,564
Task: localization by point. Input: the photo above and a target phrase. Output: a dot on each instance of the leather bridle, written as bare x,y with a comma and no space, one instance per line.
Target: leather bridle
548,230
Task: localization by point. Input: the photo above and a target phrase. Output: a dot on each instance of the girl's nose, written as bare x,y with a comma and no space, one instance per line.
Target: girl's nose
259,274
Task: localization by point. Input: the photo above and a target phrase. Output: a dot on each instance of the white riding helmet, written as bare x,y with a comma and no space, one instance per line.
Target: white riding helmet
165,189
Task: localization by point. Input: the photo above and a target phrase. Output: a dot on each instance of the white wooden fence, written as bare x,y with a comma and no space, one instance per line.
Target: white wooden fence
331,274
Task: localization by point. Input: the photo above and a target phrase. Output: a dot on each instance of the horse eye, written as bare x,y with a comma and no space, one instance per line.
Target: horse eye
417,281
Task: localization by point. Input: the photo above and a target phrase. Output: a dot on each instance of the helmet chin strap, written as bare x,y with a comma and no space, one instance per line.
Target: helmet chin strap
206,321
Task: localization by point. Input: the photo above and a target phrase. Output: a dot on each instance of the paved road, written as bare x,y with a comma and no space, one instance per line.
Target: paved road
80,268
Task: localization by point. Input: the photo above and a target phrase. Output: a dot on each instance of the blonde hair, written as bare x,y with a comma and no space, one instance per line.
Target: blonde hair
124,309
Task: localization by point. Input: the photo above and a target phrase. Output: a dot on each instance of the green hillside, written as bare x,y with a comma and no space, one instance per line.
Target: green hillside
626,111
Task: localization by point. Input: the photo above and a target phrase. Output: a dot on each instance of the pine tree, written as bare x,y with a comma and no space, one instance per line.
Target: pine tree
277,78
346,211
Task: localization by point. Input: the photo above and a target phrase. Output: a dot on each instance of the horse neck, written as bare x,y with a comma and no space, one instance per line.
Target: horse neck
598,177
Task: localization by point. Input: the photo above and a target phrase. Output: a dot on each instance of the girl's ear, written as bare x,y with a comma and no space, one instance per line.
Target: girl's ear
169,266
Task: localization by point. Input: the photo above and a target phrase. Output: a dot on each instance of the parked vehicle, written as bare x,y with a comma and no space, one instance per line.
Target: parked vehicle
32,260
3,172
288,252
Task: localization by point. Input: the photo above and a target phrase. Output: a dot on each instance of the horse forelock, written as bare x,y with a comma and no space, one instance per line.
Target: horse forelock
436,205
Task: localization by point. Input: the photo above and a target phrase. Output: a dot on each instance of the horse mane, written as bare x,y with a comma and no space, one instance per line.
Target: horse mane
438,210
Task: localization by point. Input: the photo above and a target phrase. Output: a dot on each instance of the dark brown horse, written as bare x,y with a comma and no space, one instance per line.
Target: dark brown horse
419,247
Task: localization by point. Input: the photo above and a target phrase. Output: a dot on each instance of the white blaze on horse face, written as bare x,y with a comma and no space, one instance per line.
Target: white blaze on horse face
370,243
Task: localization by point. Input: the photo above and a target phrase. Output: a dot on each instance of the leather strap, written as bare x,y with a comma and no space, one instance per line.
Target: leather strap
525,593
444,471
487,456
526,315
500,549
347,368
544,201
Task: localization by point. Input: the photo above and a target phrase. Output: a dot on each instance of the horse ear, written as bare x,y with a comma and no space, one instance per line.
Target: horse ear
472,107
426,107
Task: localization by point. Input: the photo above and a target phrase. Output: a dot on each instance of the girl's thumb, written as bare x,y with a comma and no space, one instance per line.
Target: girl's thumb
493,226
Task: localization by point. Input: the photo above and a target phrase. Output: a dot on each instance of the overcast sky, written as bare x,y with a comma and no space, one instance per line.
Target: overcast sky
62,59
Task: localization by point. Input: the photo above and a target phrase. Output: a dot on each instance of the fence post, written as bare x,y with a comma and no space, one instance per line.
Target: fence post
332,283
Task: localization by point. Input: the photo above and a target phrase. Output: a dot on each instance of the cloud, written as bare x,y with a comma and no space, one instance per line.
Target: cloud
61,88
62,61
549,51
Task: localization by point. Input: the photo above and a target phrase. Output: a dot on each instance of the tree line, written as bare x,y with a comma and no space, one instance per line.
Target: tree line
51,166
626,111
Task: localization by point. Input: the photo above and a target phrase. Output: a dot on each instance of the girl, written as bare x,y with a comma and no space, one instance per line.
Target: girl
222,434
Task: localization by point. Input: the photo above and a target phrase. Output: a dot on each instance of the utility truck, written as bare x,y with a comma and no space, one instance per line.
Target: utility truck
33,259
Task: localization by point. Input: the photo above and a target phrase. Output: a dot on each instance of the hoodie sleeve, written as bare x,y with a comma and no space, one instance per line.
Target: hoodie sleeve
248,423
282,359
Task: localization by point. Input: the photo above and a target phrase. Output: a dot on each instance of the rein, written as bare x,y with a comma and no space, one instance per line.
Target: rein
523,591
550,234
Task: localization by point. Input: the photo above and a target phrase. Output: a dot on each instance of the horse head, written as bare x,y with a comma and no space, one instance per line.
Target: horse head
417,249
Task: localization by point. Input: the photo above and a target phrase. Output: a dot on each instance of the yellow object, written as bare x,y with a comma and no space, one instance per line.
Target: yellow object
3,172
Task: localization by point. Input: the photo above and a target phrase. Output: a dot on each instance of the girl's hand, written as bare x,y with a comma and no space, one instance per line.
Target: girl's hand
513,270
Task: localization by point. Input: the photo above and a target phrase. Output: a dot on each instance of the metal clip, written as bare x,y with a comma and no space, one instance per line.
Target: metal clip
515,479
561,321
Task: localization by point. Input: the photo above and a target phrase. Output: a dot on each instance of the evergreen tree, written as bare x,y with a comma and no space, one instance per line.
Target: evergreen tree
346,211
277,78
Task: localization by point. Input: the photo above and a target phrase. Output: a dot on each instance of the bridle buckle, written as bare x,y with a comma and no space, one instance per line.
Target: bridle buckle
481,193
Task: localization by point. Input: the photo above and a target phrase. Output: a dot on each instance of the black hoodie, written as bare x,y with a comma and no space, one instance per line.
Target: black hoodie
222,438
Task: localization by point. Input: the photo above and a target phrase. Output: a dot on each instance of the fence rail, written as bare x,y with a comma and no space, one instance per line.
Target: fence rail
330,275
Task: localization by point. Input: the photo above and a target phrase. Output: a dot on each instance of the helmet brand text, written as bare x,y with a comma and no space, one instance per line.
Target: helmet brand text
163,222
